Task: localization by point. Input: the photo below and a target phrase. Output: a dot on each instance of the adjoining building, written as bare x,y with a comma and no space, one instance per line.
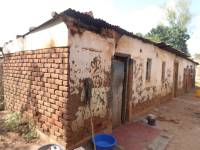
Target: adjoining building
197,59
73,60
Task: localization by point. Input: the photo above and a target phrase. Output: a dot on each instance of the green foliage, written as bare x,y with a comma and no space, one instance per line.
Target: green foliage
175,33
12,121
26,128
175,36
30,133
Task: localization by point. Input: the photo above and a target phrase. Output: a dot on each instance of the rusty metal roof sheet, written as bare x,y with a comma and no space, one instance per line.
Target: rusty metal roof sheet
98,24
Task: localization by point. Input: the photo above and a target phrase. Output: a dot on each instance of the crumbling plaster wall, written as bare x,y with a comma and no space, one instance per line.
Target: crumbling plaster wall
143,90
90,57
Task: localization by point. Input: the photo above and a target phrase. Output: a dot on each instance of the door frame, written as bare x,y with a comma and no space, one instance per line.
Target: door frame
127,84
175,85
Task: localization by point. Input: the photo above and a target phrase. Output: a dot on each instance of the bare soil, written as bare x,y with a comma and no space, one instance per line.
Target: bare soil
13,141
180,117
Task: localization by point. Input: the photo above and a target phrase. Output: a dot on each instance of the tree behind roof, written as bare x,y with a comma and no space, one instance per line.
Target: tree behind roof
175,33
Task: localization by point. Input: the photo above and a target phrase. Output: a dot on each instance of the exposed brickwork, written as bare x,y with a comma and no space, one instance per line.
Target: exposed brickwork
36,83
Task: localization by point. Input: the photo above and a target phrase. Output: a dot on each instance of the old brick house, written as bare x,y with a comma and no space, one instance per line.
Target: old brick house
46,71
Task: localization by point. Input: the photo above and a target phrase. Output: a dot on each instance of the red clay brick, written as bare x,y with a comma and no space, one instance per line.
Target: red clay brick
46,71
58,81
58,92
59,124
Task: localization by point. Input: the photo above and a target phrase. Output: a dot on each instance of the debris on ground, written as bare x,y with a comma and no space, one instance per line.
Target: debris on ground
151,119
163,118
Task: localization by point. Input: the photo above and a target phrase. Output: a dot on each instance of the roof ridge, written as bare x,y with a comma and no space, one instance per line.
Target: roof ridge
100,23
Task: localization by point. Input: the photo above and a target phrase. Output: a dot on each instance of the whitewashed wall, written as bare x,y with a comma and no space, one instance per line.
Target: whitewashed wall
53,35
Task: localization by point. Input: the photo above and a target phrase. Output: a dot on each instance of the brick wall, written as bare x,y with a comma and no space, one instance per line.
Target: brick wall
36,83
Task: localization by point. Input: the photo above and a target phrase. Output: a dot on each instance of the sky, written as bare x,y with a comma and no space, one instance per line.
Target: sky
17,16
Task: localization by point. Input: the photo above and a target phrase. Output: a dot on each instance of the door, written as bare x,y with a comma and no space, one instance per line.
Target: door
185,80
118,76
175,78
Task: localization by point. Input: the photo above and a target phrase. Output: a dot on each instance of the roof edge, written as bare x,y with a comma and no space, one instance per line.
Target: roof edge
99,23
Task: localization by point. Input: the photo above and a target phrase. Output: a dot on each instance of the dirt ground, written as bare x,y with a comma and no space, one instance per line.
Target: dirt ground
12,140
180,117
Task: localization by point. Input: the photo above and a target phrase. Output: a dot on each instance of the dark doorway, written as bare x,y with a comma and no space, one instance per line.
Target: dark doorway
176,79
120,76
185,84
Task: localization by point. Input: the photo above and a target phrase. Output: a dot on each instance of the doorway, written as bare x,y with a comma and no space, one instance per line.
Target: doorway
121,67
176,78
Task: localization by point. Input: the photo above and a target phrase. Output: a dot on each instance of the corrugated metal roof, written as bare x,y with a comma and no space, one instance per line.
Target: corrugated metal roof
98,24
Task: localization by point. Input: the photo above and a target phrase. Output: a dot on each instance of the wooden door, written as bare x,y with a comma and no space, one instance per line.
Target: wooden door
185,80
175,79
118,77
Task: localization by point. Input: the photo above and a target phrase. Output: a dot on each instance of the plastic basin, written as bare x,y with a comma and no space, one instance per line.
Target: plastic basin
104,141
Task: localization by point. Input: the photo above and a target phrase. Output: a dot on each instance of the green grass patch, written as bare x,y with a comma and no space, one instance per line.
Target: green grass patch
26,128
12,121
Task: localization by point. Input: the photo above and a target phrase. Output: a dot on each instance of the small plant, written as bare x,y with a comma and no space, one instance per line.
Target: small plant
12,121
31,132
26,128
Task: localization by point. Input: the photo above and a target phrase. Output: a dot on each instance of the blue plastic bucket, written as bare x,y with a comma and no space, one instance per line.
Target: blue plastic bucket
104,141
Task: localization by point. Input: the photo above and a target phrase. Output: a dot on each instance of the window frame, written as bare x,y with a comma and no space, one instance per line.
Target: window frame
148,69
163,73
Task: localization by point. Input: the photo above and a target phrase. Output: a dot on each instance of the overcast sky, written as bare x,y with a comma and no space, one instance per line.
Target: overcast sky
133,15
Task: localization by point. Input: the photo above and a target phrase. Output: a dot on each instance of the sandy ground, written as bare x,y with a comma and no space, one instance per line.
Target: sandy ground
180,117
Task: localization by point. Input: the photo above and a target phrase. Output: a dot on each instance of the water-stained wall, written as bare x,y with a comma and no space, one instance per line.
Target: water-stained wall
90,57
143,90
147,93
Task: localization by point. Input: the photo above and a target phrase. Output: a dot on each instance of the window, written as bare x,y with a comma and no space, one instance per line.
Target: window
148,69
163,70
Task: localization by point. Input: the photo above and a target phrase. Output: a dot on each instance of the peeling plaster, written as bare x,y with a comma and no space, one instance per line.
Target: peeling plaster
166,85
89,60
98,107
91,57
